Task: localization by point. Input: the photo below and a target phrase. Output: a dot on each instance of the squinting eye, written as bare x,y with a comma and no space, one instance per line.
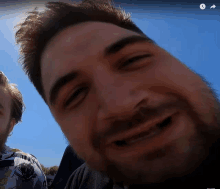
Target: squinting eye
77,97
133,60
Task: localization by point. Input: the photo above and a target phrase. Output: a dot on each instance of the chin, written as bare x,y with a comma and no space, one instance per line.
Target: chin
154,171
129,176
3,140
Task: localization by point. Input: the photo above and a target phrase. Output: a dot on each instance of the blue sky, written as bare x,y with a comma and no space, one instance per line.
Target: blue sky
191,35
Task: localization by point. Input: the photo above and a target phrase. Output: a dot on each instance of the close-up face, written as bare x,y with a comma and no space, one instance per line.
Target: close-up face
5,112
127,106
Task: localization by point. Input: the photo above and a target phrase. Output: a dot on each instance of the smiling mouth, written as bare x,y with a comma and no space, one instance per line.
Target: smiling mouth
153,131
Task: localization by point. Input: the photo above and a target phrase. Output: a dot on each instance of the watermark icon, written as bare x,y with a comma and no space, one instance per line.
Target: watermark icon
202,6
212,7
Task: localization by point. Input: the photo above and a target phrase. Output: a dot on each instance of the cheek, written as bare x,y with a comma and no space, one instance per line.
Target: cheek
190,86
71,128
4,125
75,134
75,128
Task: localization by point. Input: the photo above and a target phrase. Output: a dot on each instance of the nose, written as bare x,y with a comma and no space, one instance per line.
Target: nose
118,95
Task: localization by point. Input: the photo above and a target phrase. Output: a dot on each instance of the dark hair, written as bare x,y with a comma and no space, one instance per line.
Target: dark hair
39,27
17,105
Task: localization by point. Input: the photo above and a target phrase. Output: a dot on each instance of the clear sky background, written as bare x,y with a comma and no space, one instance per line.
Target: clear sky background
190,34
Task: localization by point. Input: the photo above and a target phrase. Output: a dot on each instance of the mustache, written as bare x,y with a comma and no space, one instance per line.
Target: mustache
140,116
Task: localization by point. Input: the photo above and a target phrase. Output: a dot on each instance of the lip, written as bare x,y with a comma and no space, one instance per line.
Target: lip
143,127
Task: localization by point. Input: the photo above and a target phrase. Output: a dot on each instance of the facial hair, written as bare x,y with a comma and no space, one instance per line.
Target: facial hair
3,137
205,174
204,152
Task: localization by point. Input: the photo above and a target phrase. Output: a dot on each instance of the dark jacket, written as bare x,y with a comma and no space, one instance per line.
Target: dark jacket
86,178
69,163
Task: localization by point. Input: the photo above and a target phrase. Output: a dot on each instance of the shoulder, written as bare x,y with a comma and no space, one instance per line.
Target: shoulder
76,178
27,168
85,177
27,158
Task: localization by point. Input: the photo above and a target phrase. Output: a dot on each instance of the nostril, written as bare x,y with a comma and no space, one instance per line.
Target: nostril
143,111
120,143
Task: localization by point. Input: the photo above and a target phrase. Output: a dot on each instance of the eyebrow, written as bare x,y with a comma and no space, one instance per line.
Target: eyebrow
112,49
122,43
59,84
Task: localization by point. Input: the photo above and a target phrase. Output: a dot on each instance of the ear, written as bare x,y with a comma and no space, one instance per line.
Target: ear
12,124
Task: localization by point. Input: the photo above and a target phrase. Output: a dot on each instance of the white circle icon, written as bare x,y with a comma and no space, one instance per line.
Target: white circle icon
202,6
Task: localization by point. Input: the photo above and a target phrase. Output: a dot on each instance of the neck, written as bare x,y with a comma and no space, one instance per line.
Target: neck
3,150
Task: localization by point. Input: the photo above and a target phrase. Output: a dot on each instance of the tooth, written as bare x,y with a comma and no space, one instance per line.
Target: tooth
146,136
155,130
151,132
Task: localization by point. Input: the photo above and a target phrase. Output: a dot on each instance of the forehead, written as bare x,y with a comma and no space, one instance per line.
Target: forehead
82,37
75,45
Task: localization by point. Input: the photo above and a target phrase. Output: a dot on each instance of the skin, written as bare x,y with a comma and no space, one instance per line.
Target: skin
6,123
154,82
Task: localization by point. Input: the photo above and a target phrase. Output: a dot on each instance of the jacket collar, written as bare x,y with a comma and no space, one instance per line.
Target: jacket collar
6,153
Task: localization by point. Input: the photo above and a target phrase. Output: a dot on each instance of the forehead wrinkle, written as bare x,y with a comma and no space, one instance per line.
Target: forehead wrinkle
73,35
81,38
82,46
72,46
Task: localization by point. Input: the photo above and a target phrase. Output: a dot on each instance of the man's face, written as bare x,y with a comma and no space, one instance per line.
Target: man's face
5,112
131,110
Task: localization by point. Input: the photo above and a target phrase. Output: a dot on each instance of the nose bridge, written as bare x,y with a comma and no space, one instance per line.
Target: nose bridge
113,92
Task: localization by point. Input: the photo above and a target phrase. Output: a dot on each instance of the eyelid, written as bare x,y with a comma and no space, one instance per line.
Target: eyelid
85,90
126,59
